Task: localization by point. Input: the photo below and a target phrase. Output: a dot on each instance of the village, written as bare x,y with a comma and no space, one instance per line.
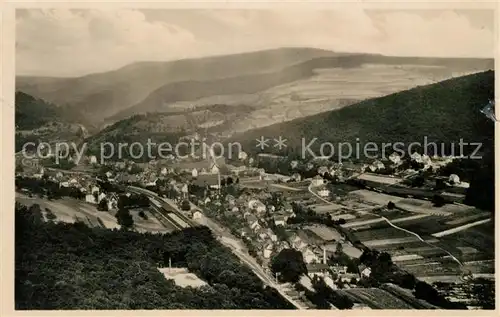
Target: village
331,218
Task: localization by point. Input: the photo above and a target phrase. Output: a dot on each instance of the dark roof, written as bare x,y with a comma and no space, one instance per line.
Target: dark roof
316,267
206,179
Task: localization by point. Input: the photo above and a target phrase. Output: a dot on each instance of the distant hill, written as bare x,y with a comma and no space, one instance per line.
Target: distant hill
443,112
105,94
37,119
169,127
32,112
154,86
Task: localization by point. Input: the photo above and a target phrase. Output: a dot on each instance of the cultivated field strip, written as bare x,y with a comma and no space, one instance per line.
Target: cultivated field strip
377,298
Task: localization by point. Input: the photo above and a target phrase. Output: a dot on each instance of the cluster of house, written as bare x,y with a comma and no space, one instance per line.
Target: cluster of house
255,228
85,183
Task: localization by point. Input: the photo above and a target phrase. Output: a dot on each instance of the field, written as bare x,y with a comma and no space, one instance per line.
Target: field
329,89
376,298
70,210
481,237
380,179
326,208
182,277
374,197
325,232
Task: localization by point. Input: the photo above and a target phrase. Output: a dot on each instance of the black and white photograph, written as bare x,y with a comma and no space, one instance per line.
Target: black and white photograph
288,157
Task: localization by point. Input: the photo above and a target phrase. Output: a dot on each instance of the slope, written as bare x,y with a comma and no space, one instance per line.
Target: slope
104,94
160,99
443,112
37,120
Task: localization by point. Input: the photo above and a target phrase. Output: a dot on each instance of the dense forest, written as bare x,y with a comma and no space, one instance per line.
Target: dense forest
72,266
32,113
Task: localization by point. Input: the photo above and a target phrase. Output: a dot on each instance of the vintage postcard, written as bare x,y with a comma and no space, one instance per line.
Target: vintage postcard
249,156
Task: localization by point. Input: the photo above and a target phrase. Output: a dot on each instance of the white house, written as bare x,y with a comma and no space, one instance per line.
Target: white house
152,183
322,170
112,203
242,156
426,160
255,226
317,181
309,256
279,220
101,197
324,192
93,159
194,173
163,171
378,165
272,235
339,269
297,177
257,205
197,215
415,156
328,280
89,198
268,250
454,179
214,169
364,271
294,164
395,158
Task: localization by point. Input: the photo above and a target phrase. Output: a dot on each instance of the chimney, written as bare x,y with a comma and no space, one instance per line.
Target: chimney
324,256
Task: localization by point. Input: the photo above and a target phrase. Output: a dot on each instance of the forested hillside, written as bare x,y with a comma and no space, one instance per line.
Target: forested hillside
71,266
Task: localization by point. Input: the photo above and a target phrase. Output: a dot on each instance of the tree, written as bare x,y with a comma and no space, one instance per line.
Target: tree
481,192
438,201
143,215
339,249
103,205
390,205
290,264
185,205
50,215
229,181
124,218
418,181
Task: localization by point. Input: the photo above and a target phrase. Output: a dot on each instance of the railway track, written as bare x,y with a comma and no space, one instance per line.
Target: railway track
164,212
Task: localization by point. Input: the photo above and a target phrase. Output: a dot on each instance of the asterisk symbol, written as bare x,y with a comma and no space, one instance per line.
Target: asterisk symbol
262,142
280,142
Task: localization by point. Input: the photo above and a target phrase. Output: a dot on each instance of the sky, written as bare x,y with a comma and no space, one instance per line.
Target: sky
63,42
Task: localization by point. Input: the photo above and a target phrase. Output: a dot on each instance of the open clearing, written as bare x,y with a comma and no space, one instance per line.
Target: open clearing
325,232
380,179
70,210
374,197
377,298
182,277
